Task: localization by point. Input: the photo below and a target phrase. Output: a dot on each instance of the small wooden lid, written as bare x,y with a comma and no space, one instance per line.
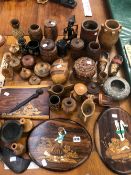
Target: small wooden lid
59,145
50,23
77,44
47,44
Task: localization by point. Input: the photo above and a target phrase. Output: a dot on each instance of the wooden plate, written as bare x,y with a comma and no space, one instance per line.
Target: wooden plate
59,145
113,139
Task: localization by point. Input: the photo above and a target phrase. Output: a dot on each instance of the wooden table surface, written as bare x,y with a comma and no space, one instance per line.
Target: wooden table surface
28,12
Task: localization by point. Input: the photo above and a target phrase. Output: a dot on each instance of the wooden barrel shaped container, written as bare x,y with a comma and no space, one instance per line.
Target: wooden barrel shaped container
77,46
48,50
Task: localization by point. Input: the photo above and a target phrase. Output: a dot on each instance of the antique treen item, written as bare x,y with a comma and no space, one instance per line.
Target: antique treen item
25,74
54,103
37,109
94,50
27,124
84,68
113,141
115,64
77,46
50,29
61,145
35,32
57,89
109,33
18,148
15,64
48,50
71,30
17,31
11,131
79,91
59,71
28,61
33,47
34,80
116,87
68,105
42,69
87,108
89,31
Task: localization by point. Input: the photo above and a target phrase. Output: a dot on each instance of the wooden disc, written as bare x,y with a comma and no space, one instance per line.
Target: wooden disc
59,145
113,139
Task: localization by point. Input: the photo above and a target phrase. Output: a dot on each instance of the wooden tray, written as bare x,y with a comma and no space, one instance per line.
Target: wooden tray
37,108
113,139
59,145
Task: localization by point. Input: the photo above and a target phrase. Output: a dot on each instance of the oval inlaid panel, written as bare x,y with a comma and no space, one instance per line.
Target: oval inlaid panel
113,139
59,145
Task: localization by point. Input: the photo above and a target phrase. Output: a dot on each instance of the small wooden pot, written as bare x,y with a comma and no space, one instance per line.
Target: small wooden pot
35,32
27,124
28,61
18,148
25,74
54,103
68,105
79,91
48,50
77,46
33,47
94,50
34,80
89,31
15,64
50,29
42,69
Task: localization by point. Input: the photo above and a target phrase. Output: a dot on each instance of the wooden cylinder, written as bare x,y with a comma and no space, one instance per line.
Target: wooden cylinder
89,31
35,32
94,50
50,29
48,50
77,46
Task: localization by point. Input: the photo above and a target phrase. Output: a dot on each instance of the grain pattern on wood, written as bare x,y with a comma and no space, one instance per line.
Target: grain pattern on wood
113,141
29,12
10,97
59,145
